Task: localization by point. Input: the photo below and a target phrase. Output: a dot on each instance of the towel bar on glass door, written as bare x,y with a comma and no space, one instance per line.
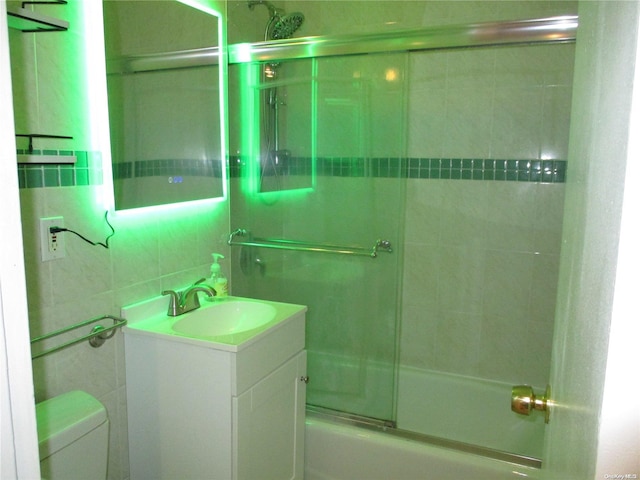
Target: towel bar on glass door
97,337
283,244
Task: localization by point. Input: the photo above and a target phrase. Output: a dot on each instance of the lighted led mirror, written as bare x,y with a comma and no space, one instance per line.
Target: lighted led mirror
164,81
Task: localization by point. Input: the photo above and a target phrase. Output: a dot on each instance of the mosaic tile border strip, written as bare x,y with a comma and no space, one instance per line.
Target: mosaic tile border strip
86,171
545,171
168,167
539,171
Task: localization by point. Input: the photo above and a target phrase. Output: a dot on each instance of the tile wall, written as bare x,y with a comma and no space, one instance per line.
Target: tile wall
86,171
481,257
150,251
485,162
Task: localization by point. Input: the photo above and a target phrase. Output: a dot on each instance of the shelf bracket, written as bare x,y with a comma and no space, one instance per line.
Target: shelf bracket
30,21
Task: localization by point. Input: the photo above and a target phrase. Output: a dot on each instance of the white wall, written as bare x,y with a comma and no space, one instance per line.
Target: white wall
19,456
619,437
598,153
150,252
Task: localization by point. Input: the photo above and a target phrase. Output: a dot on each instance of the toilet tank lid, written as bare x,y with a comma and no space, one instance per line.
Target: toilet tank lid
65,418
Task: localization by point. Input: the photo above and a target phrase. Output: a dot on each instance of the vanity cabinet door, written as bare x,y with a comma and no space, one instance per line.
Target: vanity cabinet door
269,425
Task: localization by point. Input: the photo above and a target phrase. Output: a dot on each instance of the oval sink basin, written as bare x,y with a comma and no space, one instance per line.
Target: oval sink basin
225,318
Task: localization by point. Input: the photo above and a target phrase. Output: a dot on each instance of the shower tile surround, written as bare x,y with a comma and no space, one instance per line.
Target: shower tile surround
485,172
485,166
481,257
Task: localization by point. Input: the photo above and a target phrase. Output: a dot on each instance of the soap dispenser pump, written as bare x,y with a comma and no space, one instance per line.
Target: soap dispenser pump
217,280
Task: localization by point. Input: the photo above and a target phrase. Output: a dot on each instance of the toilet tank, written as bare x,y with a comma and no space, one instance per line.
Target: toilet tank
73,436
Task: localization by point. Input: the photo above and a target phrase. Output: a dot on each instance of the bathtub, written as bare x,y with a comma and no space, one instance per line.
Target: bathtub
467,409
336,451
448,427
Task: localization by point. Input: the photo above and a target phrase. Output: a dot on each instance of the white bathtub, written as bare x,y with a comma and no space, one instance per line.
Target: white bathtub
450,411
344,452
466,409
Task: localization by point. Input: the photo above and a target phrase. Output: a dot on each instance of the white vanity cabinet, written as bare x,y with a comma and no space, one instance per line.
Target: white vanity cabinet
201,410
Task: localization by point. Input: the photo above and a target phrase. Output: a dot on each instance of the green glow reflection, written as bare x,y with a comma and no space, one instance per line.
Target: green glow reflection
250,136
251,173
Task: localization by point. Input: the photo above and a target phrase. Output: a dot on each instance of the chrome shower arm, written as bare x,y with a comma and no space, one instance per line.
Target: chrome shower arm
273,11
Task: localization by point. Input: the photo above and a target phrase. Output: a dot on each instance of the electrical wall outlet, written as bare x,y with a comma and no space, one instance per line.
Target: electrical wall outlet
51,244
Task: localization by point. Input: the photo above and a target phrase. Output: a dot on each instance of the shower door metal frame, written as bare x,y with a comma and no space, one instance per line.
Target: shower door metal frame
561,29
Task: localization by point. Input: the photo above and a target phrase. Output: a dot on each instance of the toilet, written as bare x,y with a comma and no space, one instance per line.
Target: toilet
73,435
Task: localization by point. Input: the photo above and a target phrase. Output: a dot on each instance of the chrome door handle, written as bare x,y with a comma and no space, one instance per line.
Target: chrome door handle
524,400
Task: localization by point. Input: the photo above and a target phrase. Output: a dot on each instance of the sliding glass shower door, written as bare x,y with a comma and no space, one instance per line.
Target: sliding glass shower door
453,150
340,124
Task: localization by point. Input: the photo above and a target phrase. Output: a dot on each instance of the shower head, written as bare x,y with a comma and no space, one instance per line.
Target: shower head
286,25
280,25
273,11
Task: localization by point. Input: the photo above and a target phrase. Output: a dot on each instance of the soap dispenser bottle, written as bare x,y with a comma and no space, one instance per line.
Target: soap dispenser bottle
217,280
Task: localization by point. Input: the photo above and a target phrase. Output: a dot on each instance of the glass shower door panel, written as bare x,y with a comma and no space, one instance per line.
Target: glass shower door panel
482,239
357,140
360,140
350,326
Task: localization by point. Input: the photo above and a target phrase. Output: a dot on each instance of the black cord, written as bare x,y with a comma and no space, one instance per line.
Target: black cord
104,244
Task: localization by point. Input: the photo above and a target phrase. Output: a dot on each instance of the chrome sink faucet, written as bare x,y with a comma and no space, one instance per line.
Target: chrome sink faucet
187,300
